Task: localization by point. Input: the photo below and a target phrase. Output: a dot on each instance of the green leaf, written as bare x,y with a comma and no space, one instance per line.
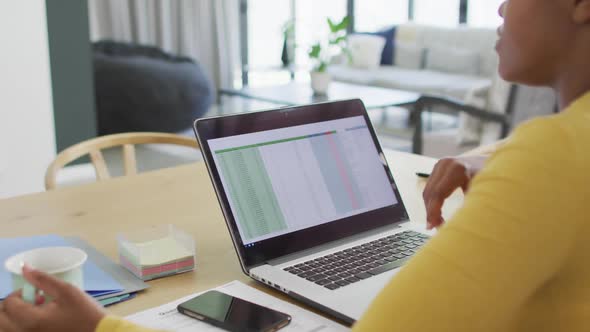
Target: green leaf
343,24
322,67
333,26
338,40
315,51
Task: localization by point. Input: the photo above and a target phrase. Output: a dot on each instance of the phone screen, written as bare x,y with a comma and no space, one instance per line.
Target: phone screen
232,313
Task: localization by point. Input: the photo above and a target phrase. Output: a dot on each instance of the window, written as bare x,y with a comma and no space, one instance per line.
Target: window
484,13
437,12
372,15
311,26
266,19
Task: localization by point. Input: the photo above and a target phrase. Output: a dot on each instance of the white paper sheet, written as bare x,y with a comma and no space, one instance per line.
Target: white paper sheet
166,317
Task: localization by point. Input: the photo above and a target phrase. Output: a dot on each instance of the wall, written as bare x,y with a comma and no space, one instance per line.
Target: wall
71,72
27,140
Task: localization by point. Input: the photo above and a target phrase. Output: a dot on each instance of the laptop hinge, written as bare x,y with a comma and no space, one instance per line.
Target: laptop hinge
333,244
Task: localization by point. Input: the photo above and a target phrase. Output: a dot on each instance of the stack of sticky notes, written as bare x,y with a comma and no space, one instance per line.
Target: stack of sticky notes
156,258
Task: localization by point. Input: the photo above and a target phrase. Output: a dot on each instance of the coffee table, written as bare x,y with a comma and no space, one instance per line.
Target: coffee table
298,93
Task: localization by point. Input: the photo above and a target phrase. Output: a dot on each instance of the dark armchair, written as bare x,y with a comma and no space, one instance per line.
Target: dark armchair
522,104
430,103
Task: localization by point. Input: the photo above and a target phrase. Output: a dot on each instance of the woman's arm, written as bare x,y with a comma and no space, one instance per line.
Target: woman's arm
70,310
450,174
486,150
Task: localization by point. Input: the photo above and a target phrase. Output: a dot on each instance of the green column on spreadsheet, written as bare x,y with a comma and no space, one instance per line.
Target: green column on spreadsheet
251,192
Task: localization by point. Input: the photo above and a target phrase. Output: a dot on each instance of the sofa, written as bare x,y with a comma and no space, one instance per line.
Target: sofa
458,63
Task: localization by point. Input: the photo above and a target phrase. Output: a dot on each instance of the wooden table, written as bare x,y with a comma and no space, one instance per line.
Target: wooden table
182,196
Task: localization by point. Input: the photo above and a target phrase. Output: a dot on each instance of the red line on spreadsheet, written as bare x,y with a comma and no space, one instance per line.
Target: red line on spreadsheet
342,171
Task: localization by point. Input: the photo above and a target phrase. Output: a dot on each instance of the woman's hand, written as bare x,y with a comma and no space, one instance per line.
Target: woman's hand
448,175
70,310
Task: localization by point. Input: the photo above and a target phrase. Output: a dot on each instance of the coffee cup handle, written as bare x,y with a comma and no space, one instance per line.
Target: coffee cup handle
29,293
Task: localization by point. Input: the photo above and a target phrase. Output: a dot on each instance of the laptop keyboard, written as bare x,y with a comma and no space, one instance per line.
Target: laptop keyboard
361,262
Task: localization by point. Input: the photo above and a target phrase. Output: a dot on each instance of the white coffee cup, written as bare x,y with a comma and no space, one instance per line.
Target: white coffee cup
64,263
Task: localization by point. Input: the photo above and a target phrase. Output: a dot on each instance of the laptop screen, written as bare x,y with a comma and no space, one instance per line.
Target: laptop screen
295,178
285,180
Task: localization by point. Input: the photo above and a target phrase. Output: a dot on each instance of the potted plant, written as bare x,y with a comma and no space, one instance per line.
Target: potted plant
322,54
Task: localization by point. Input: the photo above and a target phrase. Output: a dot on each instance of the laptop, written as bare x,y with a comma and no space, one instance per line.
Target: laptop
310,202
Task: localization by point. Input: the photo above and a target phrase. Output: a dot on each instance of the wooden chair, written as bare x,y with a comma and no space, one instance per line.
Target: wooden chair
94,146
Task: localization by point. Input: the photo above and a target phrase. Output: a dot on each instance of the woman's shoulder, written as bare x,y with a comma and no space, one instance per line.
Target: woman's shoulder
558,144
549,127
560,135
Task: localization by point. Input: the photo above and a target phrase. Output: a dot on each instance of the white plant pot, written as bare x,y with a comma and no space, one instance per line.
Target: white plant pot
320,82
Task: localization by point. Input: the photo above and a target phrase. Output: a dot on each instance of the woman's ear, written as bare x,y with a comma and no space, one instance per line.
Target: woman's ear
581,14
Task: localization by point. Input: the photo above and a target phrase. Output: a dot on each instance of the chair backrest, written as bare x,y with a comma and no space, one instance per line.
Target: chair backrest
532,102
126,141
524,103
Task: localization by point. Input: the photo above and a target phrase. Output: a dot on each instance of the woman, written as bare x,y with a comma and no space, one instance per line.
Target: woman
515,257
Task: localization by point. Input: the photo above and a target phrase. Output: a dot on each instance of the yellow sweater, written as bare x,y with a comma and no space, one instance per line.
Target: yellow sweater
516,257
114,324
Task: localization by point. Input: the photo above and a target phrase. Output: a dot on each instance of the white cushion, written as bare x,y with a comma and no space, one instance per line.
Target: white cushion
480,40
463,87
453,60
409,55
366,50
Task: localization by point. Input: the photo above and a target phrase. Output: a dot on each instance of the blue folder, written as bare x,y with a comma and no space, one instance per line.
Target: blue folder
96,281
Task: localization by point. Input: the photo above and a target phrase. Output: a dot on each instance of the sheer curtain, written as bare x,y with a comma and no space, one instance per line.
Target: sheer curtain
437,12
484,13
206,30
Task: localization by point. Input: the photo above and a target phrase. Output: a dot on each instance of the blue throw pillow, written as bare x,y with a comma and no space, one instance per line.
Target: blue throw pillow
388,50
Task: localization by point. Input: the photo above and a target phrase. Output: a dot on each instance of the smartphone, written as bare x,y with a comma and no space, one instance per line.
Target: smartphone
233,314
